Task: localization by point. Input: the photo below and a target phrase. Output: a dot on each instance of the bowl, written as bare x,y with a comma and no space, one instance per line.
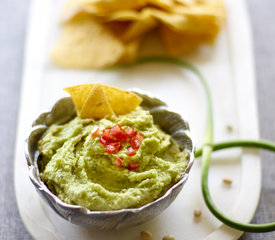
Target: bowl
64,110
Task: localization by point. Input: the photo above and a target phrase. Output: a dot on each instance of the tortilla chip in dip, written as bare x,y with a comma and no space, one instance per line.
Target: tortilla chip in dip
96,104
98,100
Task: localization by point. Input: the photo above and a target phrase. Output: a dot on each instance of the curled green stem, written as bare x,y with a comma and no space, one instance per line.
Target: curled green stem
206,153
208,147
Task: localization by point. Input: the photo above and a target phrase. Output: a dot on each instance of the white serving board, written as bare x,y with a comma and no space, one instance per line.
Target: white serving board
229,68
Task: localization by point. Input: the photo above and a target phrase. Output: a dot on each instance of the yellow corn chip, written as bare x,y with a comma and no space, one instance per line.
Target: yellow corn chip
98,100
191,7
138,28
121,101
115,5
74,7
130,25
79,94
102,8
86,44
130,46
186,23
131,50
181,43
121,26
199,7
197,19
162,4
96,105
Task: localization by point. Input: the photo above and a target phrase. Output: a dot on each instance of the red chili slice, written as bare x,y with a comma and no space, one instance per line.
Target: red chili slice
131,151
94,131
139,136
113,138
133,165
130,132
107,135
112,147
117,132
119,161
135,141
103,140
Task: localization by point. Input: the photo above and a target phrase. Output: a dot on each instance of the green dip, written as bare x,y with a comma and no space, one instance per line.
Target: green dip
76,168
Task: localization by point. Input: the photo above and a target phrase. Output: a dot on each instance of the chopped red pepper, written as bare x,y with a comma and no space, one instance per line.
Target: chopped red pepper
131,151
135,141
103,140
133,165
130,132
119,161
94,131
113,147
117,132
107,135
114,137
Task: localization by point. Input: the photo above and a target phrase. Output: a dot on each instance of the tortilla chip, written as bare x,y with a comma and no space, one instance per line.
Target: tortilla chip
101,33
121,101
162,4
191,7
116,27
74,7
79,94
186,23
129,25
205,7
86,44
108,6
139,28
131,51
96,105
178,44
196,19
88,97
100,8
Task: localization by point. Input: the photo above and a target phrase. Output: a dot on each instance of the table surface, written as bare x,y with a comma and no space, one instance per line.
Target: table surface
13,20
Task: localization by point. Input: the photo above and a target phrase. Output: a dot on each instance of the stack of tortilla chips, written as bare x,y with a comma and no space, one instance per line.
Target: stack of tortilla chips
100,33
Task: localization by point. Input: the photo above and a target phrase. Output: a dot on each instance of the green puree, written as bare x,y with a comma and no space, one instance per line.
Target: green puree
76,168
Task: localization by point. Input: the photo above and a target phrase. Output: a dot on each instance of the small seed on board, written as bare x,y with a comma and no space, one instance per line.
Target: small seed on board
168,237
197,213
227,181
229,128
146,235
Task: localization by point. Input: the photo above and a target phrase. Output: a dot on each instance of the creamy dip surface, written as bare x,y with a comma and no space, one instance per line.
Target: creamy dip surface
75,166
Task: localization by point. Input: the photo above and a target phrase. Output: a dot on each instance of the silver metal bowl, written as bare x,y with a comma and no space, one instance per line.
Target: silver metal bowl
171,122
